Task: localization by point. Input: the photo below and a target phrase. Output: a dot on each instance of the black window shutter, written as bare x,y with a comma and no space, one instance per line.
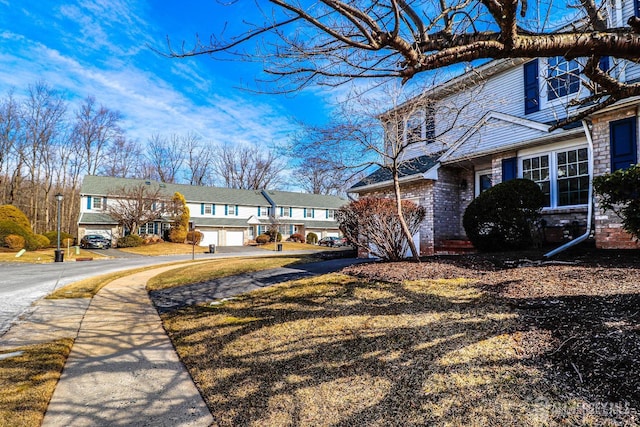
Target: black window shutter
636,7
624,147
509,169
604,63
531,87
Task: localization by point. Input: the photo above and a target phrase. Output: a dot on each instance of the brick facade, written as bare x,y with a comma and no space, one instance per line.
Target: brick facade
608,226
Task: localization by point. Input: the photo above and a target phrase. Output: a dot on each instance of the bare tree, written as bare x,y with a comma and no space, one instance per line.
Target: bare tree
10,128
134,206
95,130
337,41
121,158
247,167
165,157
198,158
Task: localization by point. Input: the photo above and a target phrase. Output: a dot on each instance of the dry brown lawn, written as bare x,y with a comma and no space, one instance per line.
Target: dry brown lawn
464,342
45,255
28,380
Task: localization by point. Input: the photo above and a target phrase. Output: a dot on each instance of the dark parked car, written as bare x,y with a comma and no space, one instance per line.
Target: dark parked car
332,241
95,241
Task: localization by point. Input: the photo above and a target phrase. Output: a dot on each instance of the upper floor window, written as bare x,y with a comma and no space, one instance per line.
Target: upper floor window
331,214
562,77
265,211
308,212
231,210
419,126
208,210
285,211
97,203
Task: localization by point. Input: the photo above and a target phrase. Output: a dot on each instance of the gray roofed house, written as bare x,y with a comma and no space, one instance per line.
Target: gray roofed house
226,217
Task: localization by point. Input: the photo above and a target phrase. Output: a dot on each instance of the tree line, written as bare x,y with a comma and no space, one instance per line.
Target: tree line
47,146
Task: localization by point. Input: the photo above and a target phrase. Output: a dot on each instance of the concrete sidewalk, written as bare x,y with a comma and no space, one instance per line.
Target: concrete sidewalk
123,369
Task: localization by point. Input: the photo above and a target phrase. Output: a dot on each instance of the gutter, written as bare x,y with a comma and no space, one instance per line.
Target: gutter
590,201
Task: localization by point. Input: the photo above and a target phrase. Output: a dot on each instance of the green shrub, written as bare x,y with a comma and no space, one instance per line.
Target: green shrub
130,241
312,238
279,237
12,213
53,238
262,239
297,237
620,192
504,217
10,227
43,241
14,242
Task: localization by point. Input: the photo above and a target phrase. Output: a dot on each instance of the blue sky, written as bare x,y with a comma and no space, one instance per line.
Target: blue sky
102,48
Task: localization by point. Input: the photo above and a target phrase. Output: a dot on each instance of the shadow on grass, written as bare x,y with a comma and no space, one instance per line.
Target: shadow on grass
337,351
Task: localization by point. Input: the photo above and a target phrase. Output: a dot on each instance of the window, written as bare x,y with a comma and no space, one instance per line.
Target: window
231,210
537,170
208,209
265,211
563,77
97,203
484,181
331,213
563,176
308,212
285,211
573,177
420,126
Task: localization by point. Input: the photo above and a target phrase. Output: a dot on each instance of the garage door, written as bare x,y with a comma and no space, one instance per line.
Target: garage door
333,234
210,238
235,238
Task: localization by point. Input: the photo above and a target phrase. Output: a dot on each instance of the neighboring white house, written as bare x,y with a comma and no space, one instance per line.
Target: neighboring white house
226,217
494,124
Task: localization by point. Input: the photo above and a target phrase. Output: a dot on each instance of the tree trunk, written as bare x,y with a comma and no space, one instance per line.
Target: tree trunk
405,229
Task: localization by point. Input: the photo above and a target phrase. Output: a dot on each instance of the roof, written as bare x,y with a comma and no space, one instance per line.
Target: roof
412,167
103,185
288,198
96,218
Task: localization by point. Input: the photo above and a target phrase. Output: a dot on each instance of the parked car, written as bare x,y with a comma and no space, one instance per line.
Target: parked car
95,241
332,241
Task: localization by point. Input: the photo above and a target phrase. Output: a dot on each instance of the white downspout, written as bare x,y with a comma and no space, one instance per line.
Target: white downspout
590,198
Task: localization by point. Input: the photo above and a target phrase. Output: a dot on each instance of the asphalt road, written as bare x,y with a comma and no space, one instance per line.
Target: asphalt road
23,283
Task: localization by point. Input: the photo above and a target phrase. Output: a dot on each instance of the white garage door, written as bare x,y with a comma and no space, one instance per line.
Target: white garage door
333,234
210,238
235,238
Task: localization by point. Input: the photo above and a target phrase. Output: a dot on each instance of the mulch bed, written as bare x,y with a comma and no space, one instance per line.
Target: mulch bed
579,314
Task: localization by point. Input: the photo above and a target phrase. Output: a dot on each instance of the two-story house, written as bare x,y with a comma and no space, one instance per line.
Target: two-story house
226,217
495,124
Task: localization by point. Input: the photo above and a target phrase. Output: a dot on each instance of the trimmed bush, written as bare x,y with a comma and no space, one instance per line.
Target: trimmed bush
312,238
53,238
130,241
279,237
10,227
178,234
194,237
504,217
13,214
43,241
14,242
297,238
262,239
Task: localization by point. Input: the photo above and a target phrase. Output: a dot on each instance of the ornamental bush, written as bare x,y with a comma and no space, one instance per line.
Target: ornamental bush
312,238
372,224
620,192
130,241
12,213
262,239
53,238
194,237
10,227
14,242
505,216
43,241
297,237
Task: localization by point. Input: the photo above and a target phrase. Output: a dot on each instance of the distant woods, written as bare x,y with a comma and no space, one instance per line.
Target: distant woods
47,145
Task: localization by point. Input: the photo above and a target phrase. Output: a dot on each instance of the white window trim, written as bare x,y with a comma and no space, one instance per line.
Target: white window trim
487,171
552,151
